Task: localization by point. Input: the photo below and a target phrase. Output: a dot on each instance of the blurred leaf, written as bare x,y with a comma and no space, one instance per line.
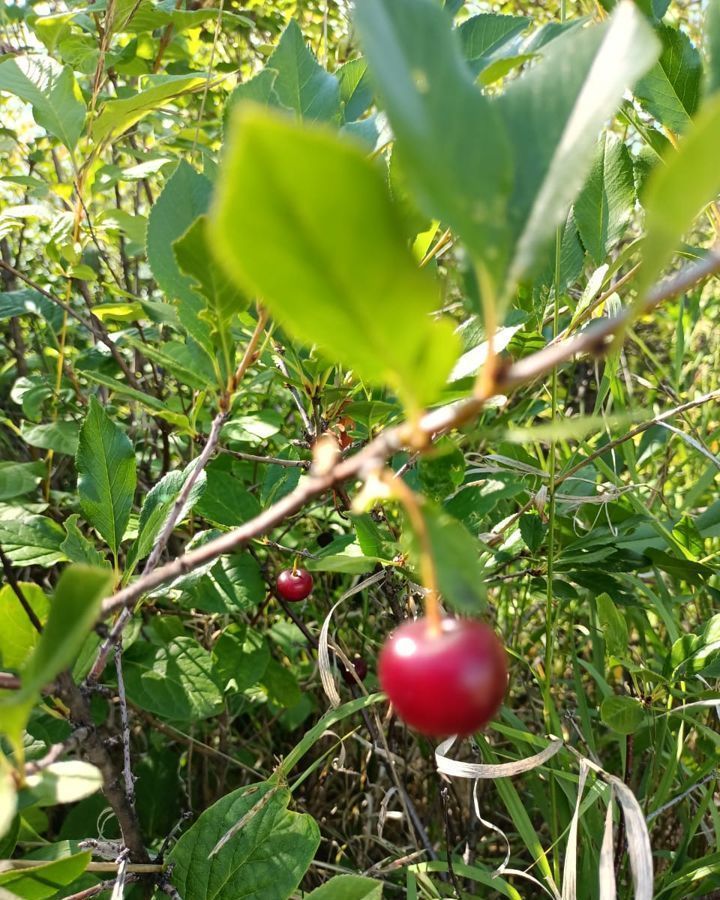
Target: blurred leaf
8,801
17,478
623,714
51,91
64,782
689,538
554,113
348,283
45,881
677,191
712,48
60,437
460,174
18,636
106,475
613,625
671,89
348,887
605,205
267,857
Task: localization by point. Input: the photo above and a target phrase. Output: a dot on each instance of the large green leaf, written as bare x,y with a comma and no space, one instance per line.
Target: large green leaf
31,540
226,500
671,89
554,114
304,220
265,859
117,116
677,191
175,681
52,92
450,139
605,205
106,475
301,83
44,881
18,636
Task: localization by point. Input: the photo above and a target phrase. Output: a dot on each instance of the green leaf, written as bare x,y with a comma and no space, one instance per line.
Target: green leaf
488,37
455,555
78,548
185,196
74,610
623,714
60,437
18,636
302,84
449,137
17,478
348,283
671,89
348,887
148,401
233,584
106,475
117,116
64,782
677,191
554,114
688,537
266,858
222,299
605,205
613,625
52,92
260,89
225,500
240,662
532,531
45,881
175,681
31,540
356,92
158,505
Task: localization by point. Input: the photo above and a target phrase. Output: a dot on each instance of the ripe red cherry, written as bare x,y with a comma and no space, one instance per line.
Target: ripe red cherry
294,585
451,682
361,670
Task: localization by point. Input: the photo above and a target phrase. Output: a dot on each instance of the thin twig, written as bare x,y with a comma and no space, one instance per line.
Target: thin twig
294,393
101,888
125,728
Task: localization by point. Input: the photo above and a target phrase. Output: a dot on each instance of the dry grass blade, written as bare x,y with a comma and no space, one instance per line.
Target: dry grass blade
569,885
608,890
458,769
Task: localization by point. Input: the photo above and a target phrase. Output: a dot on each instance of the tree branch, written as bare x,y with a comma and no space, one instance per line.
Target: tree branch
594,340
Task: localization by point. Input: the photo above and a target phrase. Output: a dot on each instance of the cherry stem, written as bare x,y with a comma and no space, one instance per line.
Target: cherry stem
295,565
428,572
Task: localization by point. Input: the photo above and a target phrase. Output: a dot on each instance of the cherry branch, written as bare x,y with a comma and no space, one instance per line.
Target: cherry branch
593,339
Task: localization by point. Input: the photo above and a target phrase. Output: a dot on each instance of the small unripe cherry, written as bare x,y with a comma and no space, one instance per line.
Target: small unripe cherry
361,670
446,681
294,584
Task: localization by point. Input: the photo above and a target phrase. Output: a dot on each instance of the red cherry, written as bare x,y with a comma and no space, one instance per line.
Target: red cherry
451,682
361,670
294,585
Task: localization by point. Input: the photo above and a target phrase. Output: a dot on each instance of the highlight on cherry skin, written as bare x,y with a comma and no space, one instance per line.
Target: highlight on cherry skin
294,584
450,681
